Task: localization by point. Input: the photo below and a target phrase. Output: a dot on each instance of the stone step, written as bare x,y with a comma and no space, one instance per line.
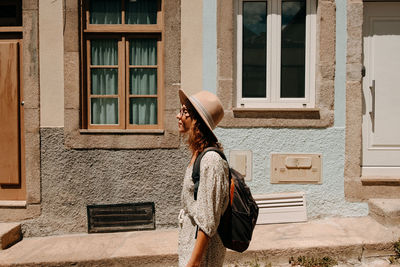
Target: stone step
385,211
354,240
10,233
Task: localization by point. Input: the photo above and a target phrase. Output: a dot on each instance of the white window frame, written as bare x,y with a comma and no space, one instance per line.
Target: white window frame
273,60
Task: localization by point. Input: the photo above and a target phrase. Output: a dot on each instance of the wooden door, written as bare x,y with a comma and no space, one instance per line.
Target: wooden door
381,89
11,149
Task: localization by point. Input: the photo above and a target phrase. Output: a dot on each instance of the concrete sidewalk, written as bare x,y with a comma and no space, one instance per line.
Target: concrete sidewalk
344,239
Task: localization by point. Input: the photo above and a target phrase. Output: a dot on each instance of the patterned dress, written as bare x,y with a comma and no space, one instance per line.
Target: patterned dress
206,211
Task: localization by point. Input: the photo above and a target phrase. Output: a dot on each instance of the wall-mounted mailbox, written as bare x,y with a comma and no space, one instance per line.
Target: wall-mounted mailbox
241,160
298,162
296,168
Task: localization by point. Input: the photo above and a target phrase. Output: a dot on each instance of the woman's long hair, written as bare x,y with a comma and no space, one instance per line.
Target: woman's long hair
199,136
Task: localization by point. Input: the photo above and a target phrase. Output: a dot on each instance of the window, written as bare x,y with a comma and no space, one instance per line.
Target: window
123,52
10,13
276,54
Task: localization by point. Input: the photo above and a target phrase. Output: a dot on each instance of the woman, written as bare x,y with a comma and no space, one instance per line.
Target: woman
199,242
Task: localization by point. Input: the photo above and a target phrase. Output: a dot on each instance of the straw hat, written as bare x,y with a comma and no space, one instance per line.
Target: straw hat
207,105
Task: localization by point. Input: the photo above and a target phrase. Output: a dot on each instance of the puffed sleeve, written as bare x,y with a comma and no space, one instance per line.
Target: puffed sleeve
213,193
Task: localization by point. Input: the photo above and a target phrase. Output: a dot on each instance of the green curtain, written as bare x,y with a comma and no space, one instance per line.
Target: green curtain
141,12
104,52
105,12
143,81
143,111
143,52
104,110
104,81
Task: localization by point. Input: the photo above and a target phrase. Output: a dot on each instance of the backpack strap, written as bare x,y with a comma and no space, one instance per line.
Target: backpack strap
196,167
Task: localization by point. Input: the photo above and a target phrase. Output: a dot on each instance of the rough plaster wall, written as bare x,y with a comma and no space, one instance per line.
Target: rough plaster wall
72,179
323,200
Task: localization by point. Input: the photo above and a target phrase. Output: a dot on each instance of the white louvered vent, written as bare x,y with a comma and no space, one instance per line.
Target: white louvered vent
281,208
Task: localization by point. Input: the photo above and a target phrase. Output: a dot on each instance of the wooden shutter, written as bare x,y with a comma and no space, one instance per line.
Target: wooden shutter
9,113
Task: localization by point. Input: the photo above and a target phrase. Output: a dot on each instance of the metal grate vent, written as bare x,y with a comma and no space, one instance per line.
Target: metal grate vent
281,208
121,217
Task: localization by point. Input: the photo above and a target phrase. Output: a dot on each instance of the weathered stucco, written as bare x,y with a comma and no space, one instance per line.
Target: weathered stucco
324,200
73,179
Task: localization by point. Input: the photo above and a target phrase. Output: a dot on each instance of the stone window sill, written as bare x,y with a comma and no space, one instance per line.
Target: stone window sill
118,131
278,117
287,113
374,180
13,204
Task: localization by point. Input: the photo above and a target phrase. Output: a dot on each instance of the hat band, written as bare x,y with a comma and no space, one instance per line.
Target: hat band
204,111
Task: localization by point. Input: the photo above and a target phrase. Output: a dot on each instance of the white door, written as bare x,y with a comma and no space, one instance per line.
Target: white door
381,89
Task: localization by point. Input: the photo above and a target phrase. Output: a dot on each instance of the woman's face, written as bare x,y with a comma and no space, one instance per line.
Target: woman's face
184,120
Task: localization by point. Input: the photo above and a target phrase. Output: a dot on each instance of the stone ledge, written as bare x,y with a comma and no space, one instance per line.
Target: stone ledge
10,233
13,204
287,113
117,131
374,180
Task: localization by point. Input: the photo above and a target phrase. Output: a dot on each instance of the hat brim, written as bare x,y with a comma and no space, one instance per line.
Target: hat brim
184,99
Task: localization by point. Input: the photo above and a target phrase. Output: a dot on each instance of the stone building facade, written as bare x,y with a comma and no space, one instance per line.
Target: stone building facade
67,165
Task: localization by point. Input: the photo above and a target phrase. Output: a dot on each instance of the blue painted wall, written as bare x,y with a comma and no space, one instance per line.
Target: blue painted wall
323,200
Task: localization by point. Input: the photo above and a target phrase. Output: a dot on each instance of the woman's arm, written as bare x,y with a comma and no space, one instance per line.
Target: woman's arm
199,249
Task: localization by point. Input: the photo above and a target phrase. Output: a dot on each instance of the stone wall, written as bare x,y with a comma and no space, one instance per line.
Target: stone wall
71,179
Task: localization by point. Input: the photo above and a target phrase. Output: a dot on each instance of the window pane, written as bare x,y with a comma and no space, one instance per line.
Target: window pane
143,52
143,81
293,45
104,82
254,49
143,110
105,12
141,12
104,111
104,52
10,13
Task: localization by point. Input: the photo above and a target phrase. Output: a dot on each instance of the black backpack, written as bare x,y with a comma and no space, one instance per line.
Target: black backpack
239,219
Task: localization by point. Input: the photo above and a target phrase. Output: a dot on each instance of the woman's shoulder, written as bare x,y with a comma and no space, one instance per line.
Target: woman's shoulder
212,158
213,155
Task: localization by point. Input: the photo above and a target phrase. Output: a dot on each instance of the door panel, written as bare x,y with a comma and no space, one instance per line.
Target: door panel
381,89
387,82
9,114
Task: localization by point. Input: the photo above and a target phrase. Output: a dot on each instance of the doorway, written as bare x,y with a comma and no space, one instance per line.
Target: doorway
381,90
12,171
